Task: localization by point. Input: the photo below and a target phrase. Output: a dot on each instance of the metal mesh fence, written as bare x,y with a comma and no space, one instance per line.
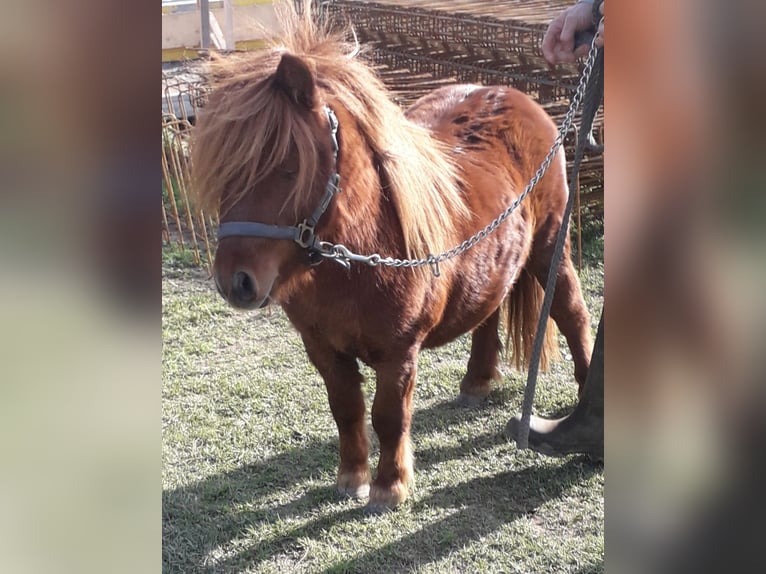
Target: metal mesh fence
417,45
183,225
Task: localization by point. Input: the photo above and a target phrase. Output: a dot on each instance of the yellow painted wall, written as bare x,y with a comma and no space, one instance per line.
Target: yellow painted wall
254,21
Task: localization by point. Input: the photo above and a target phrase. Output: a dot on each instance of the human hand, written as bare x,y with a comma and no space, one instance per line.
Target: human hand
558,42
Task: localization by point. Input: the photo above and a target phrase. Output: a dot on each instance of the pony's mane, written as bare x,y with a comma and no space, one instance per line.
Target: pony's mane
249,127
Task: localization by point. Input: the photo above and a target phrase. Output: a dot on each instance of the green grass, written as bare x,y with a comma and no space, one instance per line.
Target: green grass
176,258
250,453
592,235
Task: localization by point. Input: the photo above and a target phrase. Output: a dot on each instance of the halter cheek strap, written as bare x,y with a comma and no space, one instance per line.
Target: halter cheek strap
302,233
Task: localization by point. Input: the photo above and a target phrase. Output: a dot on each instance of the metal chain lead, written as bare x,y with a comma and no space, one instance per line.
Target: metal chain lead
342,254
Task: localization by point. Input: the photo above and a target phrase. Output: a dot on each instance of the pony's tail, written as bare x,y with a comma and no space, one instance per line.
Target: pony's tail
521,312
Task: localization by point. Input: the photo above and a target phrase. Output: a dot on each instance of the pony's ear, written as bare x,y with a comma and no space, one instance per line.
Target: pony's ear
297,78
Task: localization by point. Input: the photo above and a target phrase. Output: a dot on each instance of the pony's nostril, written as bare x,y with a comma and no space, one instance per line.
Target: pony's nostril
244,286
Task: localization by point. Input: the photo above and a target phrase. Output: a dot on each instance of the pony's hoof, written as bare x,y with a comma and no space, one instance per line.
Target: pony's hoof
384,500
355,492
471,401
374,509
354,484
474,390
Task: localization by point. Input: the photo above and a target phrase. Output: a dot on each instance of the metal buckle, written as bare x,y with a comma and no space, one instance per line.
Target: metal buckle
305,236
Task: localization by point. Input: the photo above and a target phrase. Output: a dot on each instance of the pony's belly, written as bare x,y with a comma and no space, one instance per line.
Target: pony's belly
468,308
446,333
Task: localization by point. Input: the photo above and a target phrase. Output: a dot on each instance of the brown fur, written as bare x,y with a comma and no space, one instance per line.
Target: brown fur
410,182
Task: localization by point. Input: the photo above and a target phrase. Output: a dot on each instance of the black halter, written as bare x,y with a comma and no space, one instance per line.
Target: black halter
302,233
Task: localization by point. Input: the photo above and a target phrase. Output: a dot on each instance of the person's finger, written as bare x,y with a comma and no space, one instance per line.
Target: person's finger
581,50
564,55
568,32
548,52
551,38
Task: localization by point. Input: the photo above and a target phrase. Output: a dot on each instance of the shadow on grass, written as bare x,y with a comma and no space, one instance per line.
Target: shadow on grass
214,512
486,504
596,568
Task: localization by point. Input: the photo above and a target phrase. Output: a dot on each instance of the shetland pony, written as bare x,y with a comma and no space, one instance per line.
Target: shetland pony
410,184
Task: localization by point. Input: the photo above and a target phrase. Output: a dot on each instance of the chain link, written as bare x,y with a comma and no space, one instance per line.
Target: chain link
343,255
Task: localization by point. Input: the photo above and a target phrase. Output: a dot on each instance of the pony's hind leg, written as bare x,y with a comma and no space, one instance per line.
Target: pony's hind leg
343,382
391,418
482,365
568,309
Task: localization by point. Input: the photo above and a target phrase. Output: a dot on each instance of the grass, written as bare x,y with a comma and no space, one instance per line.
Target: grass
176,258
250,453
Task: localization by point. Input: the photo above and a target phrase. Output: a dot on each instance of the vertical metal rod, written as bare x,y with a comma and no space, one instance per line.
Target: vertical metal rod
204,12
228,24
578,207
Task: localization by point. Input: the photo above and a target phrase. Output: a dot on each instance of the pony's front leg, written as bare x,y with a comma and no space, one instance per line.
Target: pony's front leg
343,382
391,417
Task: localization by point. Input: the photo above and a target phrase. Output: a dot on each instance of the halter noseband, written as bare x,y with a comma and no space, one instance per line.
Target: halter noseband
302,233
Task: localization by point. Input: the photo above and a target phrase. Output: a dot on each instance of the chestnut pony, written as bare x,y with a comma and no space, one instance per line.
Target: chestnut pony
280,126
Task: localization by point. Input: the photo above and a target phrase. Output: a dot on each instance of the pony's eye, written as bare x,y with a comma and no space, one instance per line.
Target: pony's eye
288,174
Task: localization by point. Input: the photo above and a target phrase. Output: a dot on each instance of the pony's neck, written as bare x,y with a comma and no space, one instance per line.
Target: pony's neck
364,216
